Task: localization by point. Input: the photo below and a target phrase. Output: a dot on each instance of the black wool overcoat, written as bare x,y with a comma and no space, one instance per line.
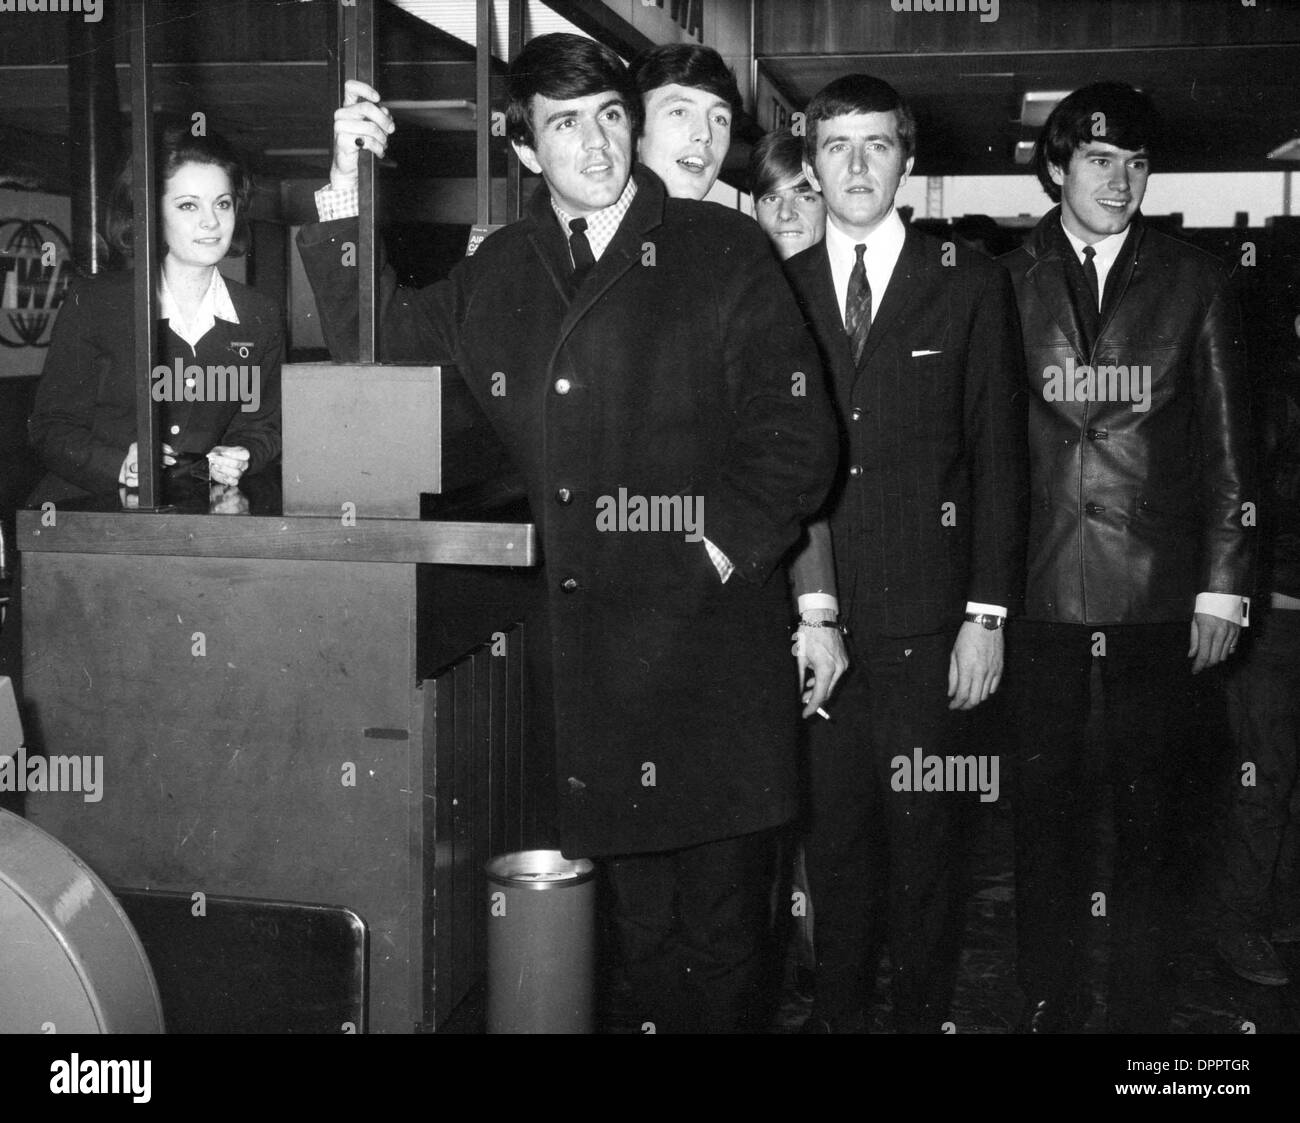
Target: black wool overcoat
679,368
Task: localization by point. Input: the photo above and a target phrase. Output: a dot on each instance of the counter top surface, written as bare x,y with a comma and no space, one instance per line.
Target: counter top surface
248,523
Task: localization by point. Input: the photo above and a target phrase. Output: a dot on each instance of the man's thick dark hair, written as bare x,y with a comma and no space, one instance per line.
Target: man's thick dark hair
776,159
1105,111
175,147
858,93
563,67
686,64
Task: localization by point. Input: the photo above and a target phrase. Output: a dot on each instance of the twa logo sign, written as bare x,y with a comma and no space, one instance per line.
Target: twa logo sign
34,275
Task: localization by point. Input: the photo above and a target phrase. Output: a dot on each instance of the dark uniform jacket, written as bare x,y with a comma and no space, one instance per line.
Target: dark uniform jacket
1135,510
84,418
929,510
679,368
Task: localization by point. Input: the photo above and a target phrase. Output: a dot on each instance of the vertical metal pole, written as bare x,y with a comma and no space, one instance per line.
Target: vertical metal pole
753,60
144,250
92,105
515,29
357,54
483,114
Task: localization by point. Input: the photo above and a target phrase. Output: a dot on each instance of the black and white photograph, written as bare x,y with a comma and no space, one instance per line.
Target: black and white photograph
651,517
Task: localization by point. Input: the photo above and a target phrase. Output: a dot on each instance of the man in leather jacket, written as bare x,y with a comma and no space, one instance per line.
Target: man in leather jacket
1140,530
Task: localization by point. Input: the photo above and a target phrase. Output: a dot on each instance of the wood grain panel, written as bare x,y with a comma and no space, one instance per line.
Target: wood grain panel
300,538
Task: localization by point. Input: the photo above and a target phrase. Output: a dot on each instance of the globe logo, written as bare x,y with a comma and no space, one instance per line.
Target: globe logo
34,276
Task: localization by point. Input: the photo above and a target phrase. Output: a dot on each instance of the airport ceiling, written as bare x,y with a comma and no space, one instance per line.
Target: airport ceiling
1224,108
1224,76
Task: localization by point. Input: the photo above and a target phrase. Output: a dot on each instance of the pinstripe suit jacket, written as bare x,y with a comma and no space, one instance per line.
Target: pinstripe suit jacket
929,508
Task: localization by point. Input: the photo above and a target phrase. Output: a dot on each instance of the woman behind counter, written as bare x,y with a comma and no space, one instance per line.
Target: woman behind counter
83,426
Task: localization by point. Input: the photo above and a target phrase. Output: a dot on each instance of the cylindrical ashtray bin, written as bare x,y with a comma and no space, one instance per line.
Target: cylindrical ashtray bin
541,943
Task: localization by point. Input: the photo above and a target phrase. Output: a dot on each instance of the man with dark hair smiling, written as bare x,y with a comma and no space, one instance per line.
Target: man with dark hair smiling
690,101
922,346
1138,438
623,341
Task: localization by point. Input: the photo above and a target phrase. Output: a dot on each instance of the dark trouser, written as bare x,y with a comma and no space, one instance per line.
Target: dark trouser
1261,836
1145,679
693,924
881,862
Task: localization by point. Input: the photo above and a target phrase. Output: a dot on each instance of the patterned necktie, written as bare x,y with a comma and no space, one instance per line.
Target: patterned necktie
857,307
1090,275
583,259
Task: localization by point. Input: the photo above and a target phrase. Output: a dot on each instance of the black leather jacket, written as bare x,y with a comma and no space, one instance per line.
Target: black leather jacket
1136,504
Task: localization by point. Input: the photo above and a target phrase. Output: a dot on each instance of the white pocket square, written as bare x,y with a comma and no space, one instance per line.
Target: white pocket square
918,354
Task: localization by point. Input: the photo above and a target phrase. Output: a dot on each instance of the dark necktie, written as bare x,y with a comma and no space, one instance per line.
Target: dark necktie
857,307
1090,275
583,258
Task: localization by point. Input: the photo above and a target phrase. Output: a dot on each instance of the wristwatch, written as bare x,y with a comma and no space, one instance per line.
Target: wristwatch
986,620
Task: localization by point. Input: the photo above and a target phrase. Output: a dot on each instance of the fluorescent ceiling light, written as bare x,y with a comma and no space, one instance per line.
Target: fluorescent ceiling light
459,18
1037,105
444,115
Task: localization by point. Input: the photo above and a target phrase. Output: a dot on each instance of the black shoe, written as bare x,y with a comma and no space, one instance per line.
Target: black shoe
1144,1019
1067,1014
1252,957
841,1023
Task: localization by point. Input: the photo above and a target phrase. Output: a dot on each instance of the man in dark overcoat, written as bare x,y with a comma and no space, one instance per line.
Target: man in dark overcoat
643,361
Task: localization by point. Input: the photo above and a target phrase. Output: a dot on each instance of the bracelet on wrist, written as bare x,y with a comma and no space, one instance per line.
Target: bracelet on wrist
841,628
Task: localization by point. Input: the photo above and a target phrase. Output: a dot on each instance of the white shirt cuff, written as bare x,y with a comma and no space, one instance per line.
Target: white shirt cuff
1228,606
332,203
719,559
973,609
811,602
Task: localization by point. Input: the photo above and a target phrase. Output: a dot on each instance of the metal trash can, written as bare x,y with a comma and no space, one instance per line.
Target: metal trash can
541,943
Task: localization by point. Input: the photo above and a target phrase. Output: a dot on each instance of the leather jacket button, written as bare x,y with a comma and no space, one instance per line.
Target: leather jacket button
856,414
563,385
855,470
1098,434
569,584
1094,508
564,495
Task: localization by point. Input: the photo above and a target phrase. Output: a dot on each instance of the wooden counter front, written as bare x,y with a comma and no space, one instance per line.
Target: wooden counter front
290,709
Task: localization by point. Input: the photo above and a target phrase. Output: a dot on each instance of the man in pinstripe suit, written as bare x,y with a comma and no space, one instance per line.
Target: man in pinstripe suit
921,342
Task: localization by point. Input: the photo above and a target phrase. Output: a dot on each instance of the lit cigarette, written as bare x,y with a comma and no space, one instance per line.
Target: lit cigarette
823,713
